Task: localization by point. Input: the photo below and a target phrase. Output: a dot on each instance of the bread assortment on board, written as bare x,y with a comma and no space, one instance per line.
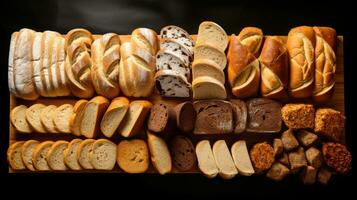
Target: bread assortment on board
109,72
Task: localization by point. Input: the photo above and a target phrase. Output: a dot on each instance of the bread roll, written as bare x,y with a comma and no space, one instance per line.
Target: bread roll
300,44
325,63
274,68
105,71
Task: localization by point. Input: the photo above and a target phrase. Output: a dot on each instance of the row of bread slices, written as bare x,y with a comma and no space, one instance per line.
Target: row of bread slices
85,118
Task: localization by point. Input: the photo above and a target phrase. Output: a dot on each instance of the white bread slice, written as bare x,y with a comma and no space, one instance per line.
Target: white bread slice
27,150
133,156
206,87
92,114
160,154
33,114
47,120
134,118
84,149
224,161
18,119
207,67
62,116
37,53
22,72
212,33
206,51
77,116
171,84
206,160
103,155
11,80
241,158
55,157
39,156
14,156
167,60
114,116
70,155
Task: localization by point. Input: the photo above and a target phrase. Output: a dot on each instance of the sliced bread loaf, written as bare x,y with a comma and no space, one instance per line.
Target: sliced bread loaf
160,154
18,119
176,45
134,118
77,116
224,161
206,51
70,155
14,156
169,61
47,120
33,114
159,117
179,35
241,158
26,152
83,151
92,114
183,153
171,84
212,33
114,116
207,67
55,156
133,156
206,87
39,156
62,116
206,160
103,155
185,116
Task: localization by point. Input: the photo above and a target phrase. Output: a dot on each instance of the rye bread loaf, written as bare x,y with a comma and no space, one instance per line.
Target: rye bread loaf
159,118
184,115
240,115
183,153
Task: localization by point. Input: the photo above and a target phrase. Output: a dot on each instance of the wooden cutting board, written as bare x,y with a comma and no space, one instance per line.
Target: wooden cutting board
337,103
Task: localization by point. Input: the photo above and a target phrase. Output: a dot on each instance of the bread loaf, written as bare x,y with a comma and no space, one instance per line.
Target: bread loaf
105,71
300,44
11,78
325,63
274,68
79,63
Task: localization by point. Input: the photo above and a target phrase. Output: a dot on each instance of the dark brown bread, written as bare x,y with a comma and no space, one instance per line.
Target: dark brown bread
240,115
330,123
337,157
263,115
183,153
213,117
185,116
262,156
159,117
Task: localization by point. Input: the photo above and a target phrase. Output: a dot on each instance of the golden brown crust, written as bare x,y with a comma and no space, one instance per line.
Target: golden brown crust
330,123
262,156
252,38
133,156
298,116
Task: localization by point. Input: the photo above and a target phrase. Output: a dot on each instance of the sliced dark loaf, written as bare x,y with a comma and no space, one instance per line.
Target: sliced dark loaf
184,115
159,117
240,115
183,153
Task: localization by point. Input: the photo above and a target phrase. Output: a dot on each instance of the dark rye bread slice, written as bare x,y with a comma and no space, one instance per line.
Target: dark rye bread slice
240,115
183,153
263,116
179,35
213,117
171,84
184,115
158,118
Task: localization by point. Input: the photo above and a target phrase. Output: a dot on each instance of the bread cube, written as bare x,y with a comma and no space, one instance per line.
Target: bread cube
284,159
308,175
278,146
314,157
277,172
297,159
289,140
306,138
324,176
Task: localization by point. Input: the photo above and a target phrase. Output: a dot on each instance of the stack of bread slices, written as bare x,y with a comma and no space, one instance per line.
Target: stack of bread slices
173,62
209,63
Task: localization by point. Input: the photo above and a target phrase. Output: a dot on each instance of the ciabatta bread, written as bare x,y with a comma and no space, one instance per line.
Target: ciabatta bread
213,34
47,118
14,156
27,150
133,156
274,68
39,156
241,158
62,116
160,154
70,155
300,44
206,161
78,62
83,151
33,114
114,116
18,119
168,83
206,87
105,71
77,116
207,67
325,63
92,114
224,161
207,51
134,118
55,156
103,155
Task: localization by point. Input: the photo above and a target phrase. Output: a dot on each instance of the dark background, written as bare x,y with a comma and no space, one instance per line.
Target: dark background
122,17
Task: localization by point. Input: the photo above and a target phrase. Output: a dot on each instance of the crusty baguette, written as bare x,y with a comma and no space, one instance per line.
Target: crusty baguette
241,158
55,157
252,38
325,63
33,117
92,114
103,155
300,44
134,118
26,153
70,155
105,71
160,154
18,119
61,118
114,116
14,156
274,68
133,156
47,120
224,161
77,116
206,161
213,34
39,156
83,151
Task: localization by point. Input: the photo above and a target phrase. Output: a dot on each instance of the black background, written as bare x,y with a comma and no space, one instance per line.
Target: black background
122,17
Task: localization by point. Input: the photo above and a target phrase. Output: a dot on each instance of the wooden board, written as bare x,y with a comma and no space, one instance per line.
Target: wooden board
337,103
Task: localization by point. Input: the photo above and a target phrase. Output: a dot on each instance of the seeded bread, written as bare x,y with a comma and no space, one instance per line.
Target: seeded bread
133,156
166,60
14,156
27,150
178,35
176,45
70,155
33,117
171,84
18,119
62,116
55,156
160,154
39,156
103,155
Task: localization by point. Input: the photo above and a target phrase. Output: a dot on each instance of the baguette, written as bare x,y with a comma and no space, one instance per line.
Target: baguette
33,114
70,155
47,119
14,156
18,119
300,44
61,118
325,63
55,156
206,161
39,156
160,154
103,155
27,150
77,116
83,151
